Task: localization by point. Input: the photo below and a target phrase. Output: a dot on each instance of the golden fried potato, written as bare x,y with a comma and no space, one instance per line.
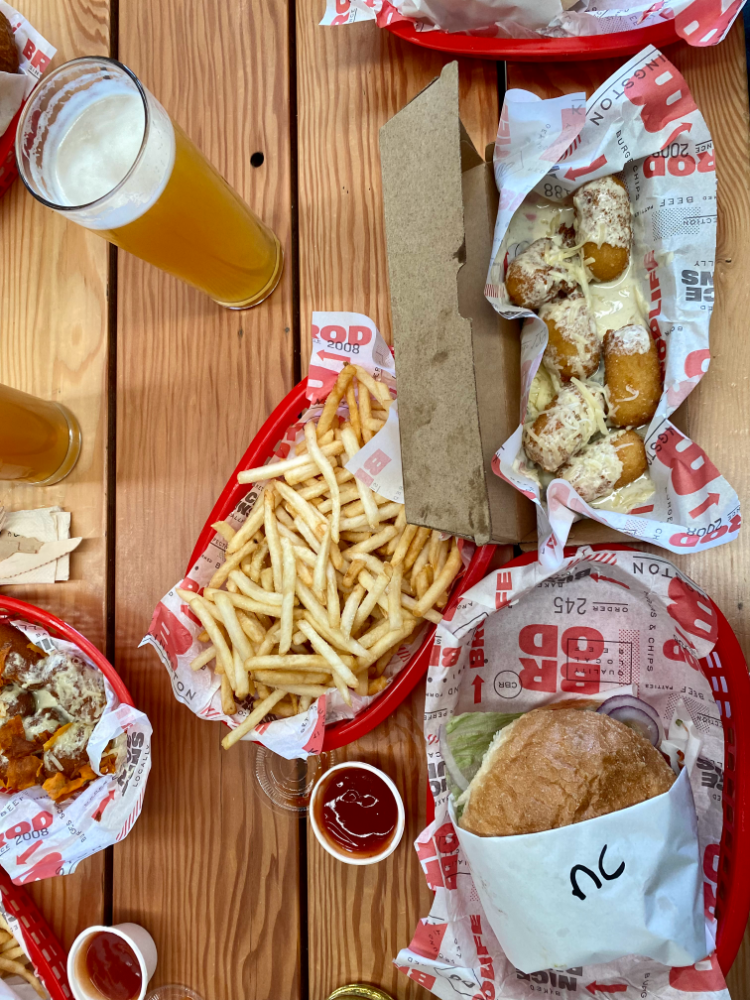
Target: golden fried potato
573,348
603,226
632,453
606,465
567,424
632,376
532,280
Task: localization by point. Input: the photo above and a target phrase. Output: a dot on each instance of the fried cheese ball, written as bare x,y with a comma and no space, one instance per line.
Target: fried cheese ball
603,226
573,348
632,376
566,426
532,280
606,465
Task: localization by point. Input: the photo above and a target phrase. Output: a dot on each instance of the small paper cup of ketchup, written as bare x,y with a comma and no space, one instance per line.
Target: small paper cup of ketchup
357,813
111,963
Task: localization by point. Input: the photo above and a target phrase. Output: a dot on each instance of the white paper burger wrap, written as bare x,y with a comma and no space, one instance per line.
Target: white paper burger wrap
338,338
643,125
40,838
698,22
624,900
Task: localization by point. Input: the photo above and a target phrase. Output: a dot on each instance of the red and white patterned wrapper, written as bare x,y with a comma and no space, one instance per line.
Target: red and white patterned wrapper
338,338
644,124
604,622
699,22
35,53
40,838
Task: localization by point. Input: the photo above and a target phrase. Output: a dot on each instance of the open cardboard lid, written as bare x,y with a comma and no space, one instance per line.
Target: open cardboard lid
458,362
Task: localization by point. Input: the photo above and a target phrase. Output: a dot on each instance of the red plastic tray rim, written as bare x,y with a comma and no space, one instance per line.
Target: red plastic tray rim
604,46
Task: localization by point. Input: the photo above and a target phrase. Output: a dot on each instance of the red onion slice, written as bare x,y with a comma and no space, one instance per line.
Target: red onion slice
636,714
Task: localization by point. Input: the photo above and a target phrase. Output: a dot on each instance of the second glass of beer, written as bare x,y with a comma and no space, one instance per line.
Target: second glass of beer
96,146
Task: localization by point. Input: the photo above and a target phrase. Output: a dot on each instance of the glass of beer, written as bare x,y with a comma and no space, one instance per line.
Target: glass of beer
39,441
96,146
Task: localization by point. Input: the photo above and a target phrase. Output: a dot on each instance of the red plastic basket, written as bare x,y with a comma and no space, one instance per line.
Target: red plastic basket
8,167
45,951
726,671
261,448
620,43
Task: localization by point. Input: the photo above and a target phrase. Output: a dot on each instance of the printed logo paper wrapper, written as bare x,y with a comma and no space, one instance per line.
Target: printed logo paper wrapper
643,123
35,54
338,338
699,22
40,838
606,622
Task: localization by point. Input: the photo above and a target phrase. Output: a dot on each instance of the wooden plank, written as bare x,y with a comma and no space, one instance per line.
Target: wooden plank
209,870
350,81
713,415
53,343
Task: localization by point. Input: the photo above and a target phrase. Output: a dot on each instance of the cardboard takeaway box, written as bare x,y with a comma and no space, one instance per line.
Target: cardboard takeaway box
458,361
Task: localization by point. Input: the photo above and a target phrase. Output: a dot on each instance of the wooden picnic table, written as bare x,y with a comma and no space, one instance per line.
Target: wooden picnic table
170,389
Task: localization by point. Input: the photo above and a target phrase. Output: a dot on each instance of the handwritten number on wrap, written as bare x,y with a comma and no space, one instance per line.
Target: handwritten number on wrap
577,891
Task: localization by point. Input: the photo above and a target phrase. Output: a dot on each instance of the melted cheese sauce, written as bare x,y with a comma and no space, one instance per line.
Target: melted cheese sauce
614,304
622,501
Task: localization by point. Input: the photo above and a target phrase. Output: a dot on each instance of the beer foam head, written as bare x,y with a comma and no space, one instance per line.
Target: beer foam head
100,150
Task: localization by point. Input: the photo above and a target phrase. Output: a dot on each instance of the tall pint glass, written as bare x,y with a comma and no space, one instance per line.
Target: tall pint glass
96,146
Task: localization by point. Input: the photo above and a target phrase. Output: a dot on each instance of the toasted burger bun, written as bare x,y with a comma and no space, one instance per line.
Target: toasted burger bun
553,768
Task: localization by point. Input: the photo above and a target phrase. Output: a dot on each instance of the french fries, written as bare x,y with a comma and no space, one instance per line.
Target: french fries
13,960
325,579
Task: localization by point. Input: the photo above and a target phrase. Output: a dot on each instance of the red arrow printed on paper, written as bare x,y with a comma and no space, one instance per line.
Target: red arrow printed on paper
478,682
330,357
610,988
575,172
711,499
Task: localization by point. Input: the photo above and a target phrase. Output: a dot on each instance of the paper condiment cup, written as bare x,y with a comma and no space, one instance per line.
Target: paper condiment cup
352,859
136,936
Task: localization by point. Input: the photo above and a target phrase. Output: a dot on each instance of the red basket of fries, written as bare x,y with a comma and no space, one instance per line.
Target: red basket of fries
46,953
340,733
726,670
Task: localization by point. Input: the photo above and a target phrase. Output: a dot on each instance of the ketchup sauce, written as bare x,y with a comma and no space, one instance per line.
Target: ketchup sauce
111,966
356,811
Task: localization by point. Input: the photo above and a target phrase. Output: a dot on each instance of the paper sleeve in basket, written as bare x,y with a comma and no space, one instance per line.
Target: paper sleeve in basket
338,338
605,622
698,22
644,125
34,53
40,838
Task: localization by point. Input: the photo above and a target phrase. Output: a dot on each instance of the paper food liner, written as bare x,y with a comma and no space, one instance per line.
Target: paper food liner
604,623
35,53
40,838
338,338
699,22
644,123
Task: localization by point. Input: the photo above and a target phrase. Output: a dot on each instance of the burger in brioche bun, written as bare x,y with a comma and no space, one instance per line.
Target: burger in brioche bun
551,768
